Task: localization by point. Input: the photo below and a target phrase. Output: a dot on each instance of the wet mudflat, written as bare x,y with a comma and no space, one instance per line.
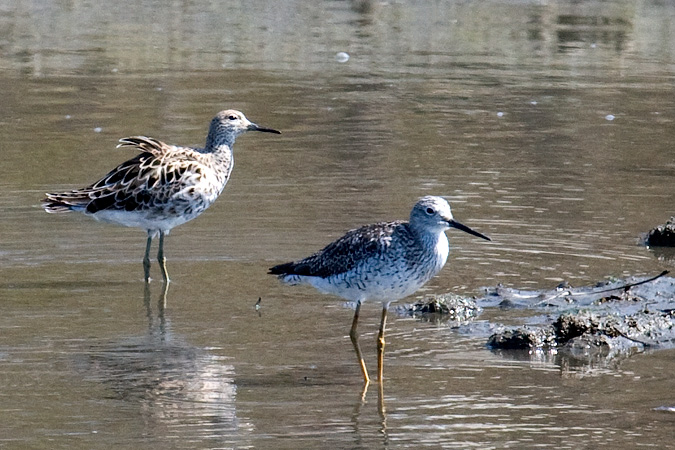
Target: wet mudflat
548,127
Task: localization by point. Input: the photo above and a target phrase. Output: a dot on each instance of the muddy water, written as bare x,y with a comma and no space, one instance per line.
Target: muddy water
548,127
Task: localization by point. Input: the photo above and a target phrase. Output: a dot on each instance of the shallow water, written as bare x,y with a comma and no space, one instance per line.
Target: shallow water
548,127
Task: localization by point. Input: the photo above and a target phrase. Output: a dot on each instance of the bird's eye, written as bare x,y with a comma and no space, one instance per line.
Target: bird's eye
232,117
430,211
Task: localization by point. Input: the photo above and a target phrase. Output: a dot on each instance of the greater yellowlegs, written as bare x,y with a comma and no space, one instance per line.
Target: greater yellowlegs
384,261
163,187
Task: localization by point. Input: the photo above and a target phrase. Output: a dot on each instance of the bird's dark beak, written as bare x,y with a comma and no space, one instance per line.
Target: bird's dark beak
254,127
454,224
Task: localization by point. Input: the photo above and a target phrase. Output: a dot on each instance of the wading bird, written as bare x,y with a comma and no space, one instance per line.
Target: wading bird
163,187
384,261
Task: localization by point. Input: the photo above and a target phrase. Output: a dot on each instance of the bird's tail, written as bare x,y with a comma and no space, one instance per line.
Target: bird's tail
286,273
282,269
66,202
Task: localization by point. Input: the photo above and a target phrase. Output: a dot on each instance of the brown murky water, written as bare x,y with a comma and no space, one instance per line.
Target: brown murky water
548,127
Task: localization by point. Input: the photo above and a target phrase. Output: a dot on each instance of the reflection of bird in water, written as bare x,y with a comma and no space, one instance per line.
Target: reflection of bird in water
384,261
163,187
173,385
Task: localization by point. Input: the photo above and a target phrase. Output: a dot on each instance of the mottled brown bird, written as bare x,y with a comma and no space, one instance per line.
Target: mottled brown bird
164,186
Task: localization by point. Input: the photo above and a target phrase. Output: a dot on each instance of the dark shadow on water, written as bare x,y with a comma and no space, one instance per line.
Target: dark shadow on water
665,254
572,363
170,384
160,326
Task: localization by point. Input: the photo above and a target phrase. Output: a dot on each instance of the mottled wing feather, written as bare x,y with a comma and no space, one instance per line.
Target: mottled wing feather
343,254
106,193
137,184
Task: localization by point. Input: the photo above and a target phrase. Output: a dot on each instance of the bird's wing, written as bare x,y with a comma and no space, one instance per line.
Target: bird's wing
343,254
137,184
130,186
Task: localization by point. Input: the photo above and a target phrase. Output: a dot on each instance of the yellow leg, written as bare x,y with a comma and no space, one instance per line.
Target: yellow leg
161,258
380,343
353,335
146,259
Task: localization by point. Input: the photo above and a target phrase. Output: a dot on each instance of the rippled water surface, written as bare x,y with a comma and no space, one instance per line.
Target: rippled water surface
548,127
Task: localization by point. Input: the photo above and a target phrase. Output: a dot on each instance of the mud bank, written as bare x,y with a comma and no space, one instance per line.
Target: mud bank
610,318
593,331
442,308
618,316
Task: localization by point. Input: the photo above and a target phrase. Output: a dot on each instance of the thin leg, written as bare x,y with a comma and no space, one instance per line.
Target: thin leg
353,335
380,343
146,259
364,391
161,258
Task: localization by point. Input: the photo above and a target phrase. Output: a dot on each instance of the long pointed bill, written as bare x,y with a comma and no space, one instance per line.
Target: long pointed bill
454,224
254,127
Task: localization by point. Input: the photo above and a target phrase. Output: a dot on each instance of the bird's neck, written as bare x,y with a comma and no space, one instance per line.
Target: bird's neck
218,149
437,242
219,140
442,249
